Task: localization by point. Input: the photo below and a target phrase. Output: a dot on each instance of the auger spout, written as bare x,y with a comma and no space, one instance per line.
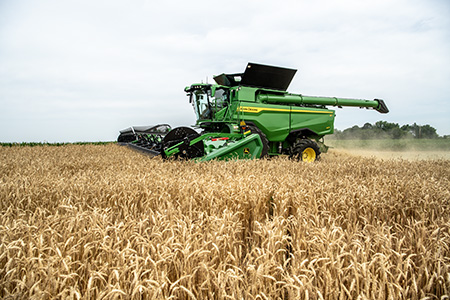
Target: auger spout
299,99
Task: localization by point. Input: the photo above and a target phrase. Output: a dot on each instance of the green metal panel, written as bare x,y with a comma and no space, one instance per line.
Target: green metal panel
246,94
273,120
277,121
249,147
321,121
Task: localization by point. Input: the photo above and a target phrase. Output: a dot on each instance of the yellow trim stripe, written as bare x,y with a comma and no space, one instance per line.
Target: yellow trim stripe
255,110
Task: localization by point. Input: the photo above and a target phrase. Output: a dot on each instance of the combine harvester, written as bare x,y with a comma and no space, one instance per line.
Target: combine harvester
247,115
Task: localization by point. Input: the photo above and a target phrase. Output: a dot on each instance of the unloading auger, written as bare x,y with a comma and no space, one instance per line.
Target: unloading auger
247,115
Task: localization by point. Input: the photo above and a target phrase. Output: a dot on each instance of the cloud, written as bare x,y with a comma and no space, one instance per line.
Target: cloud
112,64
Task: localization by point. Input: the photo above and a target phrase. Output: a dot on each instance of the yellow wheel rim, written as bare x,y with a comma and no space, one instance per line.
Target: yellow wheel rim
309,155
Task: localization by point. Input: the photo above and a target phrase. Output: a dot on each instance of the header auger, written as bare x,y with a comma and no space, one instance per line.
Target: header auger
247,115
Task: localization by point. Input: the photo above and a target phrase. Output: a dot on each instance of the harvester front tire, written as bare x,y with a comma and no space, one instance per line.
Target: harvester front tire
185,135
264,140
305,150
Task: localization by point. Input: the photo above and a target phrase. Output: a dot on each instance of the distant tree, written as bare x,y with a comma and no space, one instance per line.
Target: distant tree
428,132
412,129
384,129
386,126
397,133
420,132
380,125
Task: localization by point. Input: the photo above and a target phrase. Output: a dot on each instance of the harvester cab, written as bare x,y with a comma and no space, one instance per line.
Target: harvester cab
208,101
249,115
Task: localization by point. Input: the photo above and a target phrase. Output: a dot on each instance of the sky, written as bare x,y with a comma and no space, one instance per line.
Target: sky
81,70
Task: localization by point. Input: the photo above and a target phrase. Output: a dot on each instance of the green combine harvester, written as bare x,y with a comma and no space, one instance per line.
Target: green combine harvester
247,115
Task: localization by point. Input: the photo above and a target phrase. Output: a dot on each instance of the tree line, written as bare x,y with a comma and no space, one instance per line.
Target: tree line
384,129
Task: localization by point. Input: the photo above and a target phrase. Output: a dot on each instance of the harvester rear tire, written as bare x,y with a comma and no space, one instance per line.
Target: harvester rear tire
264,140
305,150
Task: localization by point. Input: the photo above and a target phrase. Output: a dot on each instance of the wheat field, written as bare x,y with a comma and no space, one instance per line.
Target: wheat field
105,222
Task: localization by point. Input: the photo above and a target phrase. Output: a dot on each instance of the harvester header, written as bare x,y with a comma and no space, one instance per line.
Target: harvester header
249,115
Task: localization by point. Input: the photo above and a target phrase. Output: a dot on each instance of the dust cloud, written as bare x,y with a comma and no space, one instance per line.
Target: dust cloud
406,155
